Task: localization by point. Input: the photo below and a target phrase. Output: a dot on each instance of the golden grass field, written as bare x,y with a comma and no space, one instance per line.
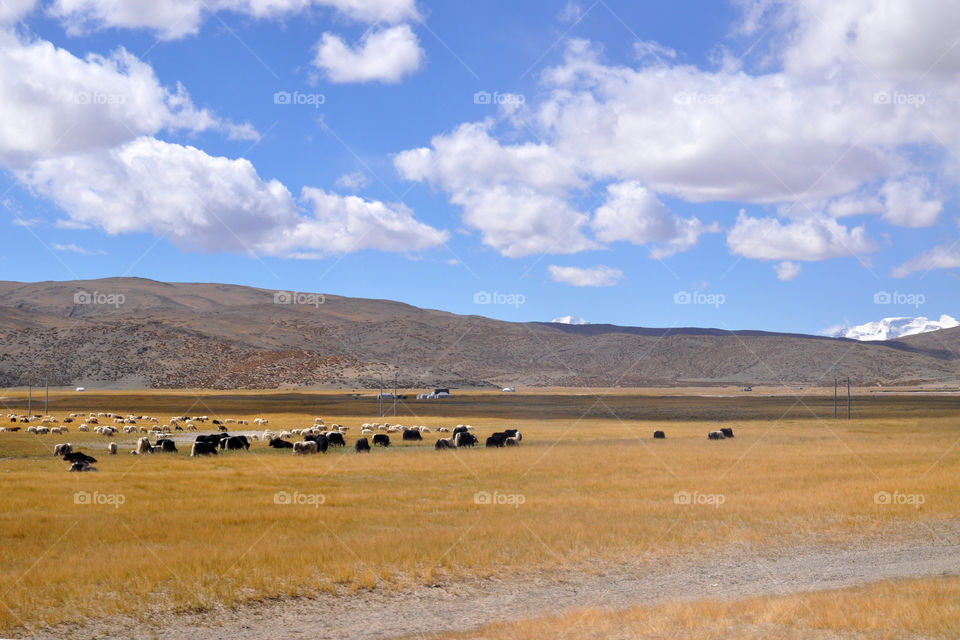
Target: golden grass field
195,533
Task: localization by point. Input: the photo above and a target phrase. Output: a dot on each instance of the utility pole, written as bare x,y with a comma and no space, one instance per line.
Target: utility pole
394,394
380,398
46,396
848,397
834,398
29,399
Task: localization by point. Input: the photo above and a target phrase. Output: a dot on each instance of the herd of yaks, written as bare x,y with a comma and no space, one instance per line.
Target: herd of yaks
315,439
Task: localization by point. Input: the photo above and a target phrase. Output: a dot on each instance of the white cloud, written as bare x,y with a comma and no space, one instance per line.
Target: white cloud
53,103
216,204
353,181
599,276
814,238
385,56
837,121
12,11
908,205
344,224
941,257
634,214
787,270
75,249
515,195
172,19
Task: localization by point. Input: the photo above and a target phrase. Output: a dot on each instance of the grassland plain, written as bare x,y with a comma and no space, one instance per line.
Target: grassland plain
583,493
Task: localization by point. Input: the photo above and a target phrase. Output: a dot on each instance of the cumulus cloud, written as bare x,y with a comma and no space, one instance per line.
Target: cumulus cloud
53,103
940,257
850,115
813,238
174,19
386,55
787,270
907,204
599,276
634,214
515,195
215,204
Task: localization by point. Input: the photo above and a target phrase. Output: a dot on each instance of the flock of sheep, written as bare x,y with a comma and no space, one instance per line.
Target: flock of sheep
314,439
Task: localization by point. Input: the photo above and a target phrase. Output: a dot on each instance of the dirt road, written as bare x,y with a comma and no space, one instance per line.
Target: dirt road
369,615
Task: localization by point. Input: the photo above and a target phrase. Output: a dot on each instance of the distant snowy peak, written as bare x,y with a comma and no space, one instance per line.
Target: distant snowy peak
570,320
893,328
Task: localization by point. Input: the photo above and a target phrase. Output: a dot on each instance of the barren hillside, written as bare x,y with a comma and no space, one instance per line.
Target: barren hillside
129,332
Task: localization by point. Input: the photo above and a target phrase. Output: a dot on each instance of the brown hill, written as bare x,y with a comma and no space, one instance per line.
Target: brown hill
131,332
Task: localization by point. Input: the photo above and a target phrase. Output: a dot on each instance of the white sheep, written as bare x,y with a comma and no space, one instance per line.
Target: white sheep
112,448
83,427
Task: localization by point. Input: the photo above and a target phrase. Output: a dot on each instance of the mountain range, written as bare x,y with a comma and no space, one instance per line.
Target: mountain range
891,328
130,332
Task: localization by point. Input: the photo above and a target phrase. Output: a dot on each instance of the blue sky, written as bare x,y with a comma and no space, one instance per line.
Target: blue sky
764,165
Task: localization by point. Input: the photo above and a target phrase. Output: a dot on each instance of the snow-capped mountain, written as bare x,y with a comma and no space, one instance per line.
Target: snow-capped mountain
892,328
570,320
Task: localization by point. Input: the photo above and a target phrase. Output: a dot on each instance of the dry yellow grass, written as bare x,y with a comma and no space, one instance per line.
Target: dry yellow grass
192,533
901,609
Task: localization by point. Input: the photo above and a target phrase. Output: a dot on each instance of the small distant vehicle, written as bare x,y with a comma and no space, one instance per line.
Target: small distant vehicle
81,388
748,388
509,389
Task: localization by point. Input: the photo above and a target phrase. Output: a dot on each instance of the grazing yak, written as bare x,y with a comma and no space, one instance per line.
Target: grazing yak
412,434
496,440
304,447
716,435
727,432
511,441
381,440
335,439
82,466
77,456
112,448
203,449
444,443
62,449
321,441
277,443
513,433
464,439
361,445
659,435
165,445
234,443
143,446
